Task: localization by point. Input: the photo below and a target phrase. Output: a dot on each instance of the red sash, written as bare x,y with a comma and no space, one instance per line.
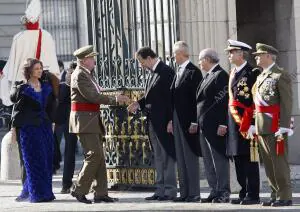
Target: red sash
36,26
247,115
274,110
88,107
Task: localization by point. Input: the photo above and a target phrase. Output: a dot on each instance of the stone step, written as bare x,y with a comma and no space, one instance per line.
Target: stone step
4,53
13,2
9,19
5,42
12,8
10,31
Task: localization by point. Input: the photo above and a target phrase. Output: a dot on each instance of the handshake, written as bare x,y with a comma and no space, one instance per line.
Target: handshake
122,99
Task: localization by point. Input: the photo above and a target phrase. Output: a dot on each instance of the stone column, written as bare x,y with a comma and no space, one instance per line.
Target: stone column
288,43
82,23
207,24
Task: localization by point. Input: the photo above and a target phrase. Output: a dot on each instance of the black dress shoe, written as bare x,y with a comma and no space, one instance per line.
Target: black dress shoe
208,199
280,203
250,201
65,191
268,203
81,198
105,198
179,199
221,199
236,201
165,198
193,199
153,197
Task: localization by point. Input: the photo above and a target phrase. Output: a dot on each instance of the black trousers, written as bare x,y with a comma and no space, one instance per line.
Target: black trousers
69,155
247,173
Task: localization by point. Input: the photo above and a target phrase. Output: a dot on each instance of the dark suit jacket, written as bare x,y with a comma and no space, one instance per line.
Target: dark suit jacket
241,81
157,104
212,105
64,104
28,111
184,102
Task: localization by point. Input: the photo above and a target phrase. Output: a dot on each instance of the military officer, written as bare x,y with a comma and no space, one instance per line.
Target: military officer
272,95
240,113
85,122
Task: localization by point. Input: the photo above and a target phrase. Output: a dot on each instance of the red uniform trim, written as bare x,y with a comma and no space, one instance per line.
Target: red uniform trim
274,110
247,115
88,107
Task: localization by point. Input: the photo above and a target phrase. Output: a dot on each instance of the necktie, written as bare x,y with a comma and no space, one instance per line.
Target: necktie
205,77
178,76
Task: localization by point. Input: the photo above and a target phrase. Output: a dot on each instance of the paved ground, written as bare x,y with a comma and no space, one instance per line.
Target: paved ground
133,201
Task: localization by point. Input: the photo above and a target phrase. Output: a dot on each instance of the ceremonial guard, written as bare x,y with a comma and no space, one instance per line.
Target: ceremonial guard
240,114
33,42
272,95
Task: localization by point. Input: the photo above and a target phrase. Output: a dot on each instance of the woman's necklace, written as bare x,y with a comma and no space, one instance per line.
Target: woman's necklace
35,85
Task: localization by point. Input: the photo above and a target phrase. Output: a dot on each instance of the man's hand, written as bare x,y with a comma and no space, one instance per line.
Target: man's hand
170,127
122,99
193,128
222,130
251,132
133,107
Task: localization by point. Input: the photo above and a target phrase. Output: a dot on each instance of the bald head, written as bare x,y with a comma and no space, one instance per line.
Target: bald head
210,54
207,59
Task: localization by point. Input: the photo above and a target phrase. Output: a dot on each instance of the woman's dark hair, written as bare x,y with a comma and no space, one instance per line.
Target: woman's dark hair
28,67
145,52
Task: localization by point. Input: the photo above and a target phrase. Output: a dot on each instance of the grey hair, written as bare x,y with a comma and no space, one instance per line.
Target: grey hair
181,45
245,54
211,54
274,57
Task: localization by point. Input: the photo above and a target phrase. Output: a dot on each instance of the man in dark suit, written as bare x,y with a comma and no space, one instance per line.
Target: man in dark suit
184,125
212,104
240,115
157,104
62,129
85,122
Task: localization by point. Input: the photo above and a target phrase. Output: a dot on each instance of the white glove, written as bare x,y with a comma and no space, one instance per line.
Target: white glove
251,132
283,130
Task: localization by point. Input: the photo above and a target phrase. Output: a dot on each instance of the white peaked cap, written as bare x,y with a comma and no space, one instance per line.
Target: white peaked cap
33,11
234,44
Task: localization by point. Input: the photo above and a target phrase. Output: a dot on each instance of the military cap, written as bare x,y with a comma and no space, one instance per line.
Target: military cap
237,45
265,49
84,52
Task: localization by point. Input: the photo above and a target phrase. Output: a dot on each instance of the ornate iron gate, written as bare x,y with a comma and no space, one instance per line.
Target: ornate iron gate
118,28
60,19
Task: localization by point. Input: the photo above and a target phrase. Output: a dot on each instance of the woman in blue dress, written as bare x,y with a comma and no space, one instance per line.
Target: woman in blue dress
31,118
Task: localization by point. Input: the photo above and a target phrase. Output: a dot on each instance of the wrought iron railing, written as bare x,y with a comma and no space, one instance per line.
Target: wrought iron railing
118,28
